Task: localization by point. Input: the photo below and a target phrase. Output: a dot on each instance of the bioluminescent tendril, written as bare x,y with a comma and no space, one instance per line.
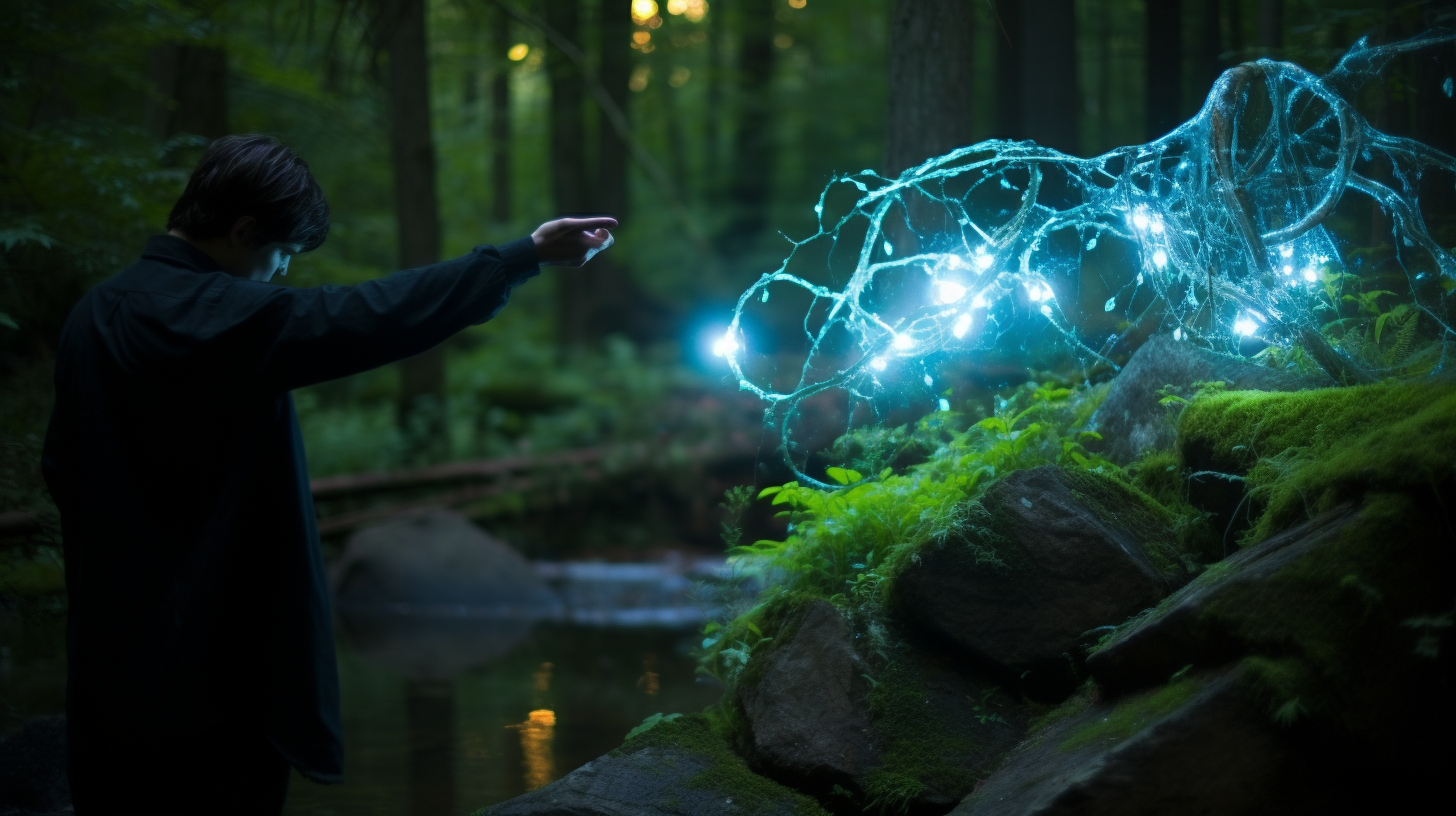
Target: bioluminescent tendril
1226,223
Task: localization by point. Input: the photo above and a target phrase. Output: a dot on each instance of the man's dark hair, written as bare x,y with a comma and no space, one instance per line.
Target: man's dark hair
252,174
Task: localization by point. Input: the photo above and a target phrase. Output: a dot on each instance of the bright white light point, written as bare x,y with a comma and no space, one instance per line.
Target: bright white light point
889,248
1286,252
1288,270
1140,279
978,302
878,364
1110,304
1140,219
929,381
1037,292
1309,274
949,291
1157,226
1178,334
984,261
818,209
1245,326
954,261
725,345
904,341
1046,310
945,405
1160,259
962,325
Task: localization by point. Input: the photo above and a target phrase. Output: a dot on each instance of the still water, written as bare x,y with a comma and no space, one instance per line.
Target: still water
444,717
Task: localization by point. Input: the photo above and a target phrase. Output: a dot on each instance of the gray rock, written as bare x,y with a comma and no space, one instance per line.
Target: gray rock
805,706
1147,651
677,769
821,714
1051,555
1197,747
1131,420
33,777
438,564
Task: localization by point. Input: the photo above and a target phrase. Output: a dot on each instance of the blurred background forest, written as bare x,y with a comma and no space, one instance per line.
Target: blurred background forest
708,127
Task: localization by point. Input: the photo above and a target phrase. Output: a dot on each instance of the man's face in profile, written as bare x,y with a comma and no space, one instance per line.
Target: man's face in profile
271,258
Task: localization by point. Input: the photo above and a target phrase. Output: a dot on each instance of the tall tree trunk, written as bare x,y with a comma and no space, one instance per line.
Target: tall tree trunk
416,209
500,120
1051,99
718,62
932,65
192,80
1236,29
1271,24
1164,70
1008,69
616,69
574,303
1207,55
752,165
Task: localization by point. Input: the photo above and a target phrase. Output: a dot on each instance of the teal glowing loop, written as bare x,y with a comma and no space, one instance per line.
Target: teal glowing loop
1227,216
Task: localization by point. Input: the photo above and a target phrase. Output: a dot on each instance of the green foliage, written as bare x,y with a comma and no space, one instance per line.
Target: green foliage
649,723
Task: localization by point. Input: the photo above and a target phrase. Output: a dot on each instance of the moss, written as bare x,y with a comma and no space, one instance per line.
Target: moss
694,734
1332,635
1119,503
1081,700
1133,715
1307,451
37,574
928,739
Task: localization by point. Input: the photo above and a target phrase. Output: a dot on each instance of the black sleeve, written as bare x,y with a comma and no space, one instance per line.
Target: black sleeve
282,338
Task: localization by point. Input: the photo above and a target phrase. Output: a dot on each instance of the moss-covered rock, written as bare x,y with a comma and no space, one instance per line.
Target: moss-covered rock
679,767
1049,555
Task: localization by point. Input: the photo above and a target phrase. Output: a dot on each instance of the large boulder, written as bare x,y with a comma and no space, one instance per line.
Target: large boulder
438,564
677,768
33,777
898,726
1147,651
1132,421
804,702
1048,556
1198,745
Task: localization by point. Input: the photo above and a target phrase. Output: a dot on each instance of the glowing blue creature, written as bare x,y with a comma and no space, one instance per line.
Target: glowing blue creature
1222,224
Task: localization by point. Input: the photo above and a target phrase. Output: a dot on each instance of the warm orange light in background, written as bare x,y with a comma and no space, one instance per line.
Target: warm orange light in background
640,75
694,10
518,52
649,683
679,76
798,3
541,680
641,37
643,10
537,760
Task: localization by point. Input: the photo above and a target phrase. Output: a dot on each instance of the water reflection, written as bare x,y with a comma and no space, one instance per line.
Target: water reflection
510,719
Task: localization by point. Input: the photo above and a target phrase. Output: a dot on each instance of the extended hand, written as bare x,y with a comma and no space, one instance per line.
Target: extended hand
572,241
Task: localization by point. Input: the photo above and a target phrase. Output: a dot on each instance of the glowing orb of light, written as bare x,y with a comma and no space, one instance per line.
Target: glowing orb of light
1046,311
1309,274
1140,218
1156,227
928,380
949,291
1286,252
725,345
1288,269
879,364
1038,292
945,405
904,342
643,10
1160,259
962,325
518,52
978,302
1245,326
983,260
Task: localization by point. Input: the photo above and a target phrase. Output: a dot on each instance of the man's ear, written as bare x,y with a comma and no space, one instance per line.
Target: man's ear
244,233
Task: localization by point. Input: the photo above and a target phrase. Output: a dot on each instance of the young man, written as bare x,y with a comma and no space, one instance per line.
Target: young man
201,657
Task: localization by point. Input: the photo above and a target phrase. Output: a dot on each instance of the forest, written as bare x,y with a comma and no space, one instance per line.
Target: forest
625,413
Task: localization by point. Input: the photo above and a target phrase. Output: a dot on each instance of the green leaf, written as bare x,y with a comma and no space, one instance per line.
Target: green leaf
838,474
769,491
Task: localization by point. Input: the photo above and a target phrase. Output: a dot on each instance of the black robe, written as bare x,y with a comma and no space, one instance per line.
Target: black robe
196,583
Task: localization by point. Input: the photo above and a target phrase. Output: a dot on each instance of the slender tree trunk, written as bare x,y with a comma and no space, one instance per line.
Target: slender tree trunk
416,208
500,120
752,166
932,89
1236,29
1164,71
568,163
616,70
1271,24
713,112
193,83
1008,69
1207,54
1052,101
